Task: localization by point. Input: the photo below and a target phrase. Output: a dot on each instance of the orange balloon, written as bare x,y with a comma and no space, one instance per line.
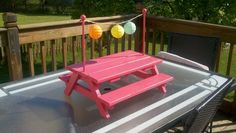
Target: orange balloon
95,31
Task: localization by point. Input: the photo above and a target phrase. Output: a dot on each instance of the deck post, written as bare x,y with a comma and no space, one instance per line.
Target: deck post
138,35
13,46
144,12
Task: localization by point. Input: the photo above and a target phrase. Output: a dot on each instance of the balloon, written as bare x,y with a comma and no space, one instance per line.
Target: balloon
95,31
117,31
129,28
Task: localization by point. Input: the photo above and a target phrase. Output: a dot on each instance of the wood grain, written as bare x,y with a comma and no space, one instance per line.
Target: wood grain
225,33
31,59
43,57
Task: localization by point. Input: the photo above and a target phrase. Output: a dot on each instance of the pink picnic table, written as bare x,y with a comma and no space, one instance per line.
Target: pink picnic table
111,68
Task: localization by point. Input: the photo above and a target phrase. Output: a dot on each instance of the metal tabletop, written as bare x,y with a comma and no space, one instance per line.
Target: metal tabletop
38,104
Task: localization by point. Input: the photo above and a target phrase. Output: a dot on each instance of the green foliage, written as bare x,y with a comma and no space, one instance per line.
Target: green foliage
7,5
59,5
213,11
102,8
49,6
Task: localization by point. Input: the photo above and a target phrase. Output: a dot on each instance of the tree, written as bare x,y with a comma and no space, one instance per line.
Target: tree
12,5
59,5
213,11
7,5
102,8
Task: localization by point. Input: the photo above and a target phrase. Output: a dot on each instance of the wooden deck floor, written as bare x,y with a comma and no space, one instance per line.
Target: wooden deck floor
222,123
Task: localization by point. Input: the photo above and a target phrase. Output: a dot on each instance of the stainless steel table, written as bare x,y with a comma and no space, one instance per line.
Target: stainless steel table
38,105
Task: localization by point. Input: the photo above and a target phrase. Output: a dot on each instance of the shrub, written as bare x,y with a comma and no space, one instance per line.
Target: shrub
93,8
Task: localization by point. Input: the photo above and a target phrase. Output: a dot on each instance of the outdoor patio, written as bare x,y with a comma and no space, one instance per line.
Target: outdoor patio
222,123
35,49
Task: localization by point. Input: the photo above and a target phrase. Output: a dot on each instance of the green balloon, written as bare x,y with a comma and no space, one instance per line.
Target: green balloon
129,28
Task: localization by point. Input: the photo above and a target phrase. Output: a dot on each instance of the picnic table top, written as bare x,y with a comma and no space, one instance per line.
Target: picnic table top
115,65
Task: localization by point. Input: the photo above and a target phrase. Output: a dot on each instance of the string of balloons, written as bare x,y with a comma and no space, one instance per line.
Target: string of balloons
117,31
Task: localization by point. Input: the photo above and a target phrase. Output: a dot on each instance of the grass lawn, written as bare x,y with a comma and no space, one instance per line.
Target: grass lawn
36,18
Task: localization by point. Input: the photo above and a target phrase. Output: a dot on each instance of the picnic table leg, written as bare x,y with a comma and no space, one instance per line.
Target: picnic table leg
70,85
145,73
103,110
155,71
163,88
96,93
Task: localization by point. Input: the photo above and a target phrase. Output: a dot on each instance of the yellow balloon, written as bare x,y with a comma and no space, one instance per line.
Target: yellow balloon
117,31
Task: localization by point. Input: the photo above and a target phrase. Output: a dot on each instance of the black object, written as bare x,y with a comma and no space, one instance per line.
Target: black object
203,114
200,49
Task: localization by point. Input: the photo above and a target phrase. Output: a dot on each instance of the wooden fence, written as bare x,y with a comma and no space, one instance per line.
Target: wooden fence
2,43
49,39
225,33
45,41
34,41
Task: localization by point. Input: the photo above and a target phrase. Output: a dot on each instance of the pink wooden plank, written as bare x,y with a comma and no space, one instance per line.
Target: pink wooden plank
109,61
86,92
65,77
103,60
121,94
117,63
70,85
102,66
122,69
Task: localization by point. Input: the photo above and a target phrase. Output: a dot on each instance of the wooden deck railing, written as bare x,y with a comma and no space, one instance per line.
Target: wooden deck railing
46,40
59,42
161,26
49,39
67,35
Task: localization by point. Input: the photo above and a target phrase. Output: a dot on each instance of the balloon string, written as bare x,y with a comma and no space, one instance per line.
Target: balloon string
114,23
131,19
